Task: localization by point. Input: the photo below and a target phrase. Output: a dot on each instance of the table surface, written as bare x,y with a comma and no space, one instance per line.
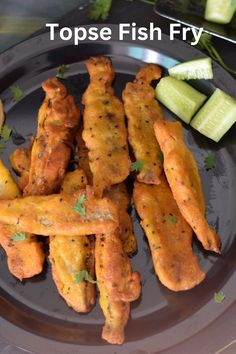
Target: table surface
21,19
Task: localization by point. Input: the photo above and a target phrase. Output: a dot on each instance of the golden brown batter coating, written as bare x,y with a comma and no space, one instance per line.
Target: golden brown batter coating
104,132
117,283
72,254
58,214
20,162
25,257
57,122
120,196
169,236
142,110
182,174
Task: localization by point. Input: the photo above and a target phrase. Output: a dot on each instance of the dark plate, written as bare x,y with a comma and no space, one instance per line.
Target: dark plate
33,314
191,13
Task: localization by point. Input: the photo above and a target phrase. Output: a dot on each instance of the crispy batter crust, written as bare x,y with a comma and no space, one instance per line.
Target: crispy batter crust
142,110
56,214
117,283
57,122
69,255
169,236
72,254
25,258
182,174
104,132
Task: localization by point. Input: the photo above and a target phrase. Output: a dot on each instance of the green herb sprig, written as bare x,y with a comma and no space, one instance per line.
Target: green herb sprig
19,236
172,219
210,161
79,207
137,166
16,93
100,9
219,297
83,275
62,70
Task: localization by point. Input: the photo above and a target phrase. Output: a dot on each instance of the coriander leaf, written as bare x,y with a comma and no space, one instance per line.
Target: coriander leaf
19,236
62,70
205,42
219,297
160,156
83,275
100,9
78,207
5,133
137,166
210,161
172,219
16,92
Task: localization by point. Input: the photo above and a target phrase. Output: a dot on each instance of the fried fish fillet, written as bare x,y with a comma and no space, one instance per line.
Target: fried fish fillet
120,196
20,162
104,132
169,236
118,284
25,257
70,255
142,110
57,123
182,174
61,214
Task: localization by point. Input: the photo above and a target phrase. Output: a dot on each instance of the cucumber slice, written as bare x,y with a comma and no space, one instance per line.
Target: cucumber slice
217,116
179,97
219,11
194,69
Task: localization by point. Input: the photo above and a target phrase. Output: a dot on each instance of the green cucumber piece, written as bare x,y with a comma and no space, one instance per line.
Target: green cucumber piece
219,11
179,97
217,116
193,69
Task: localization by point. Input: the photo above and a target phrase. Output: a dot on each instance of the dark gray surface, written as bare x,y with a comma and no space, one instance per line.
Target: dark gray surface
162,318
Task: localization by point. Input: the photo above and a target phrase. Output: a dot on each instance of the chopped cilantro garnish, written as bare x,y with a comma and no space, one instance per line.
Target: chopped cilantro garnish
210,161
16,92
172,219
160,156
5,133
219,297
78,207
137,165
83,275
19,236
100,9
63,69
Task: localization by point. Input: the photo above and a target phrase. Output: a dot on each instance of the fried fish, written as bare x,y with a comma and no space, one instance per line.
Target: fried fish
104,131
72,255
25,256
61,214
117,283
182,174
57,123
142,110
169,236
